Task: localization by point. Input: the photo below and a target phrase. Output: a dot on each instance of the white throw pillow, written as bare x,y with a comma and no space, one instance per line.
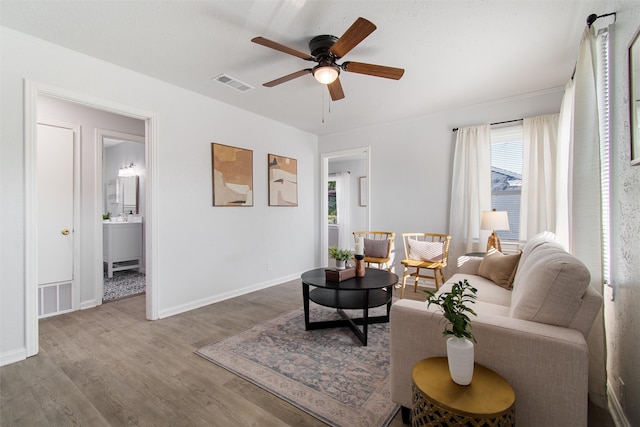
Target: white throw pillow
426,251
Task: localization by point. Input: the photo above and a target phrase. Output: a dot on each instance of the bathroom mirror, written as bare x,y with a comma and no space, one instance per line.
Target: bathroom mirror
130,194
634,97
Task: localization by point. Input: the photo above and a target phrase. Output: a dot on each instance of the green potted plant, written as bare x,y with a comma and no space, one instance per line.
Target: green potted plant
456,310
341,256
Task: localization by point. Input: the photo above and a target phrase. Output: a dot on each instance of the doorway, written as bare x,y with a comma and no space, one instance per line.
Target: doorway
91,227
123,180
349,169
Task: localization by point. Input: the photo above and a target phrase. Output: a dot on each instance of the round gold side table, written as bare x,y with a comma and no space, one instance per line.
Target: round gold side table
439,402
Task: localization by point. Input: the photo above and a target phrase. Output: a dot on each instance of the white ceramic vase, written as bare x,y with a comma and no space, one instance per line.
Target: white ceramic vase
460,355
340,264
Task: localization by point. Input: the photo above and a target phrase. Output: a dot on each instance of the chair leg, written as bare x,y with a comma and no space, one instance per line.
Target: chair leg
404,281
415,285
441,281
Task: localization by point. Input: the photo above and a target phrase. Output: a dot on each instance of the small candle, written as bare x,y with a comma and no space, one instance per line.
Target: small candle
359,249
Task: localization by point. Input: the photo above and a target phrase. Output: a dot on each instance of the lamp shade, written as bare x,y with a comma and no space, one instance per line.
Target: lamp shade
494,220
326,74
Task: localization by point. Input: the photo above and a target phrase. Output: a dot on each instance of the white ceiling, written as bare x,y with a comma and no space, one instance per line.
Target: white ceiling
455,53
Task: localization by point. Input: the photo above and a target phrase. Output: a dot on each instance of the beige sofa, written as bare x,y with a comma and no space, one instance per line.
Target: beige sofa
533,334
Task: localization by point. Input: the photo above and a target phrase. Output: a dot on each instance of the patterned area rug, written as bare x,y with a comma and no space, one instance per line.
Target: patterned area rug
326,373
123,284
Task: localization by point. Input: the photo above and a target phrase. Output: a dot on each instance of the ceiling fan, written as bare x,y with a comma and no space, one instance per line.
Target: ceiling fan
326,50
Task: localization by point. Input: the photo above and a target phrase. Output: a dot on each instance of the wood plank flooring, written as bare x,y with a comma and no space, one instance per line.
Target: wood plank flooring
109,366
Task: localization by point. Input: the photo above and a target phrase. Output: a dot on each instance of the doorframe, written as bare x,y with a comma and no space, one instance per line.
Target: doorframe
101,134
31,91
324,194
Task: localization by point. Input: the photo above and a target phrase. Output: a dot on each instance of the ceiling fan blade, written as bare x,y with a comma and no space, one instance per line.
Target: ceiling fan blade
335,90
282,48
288,77
357,32
373,70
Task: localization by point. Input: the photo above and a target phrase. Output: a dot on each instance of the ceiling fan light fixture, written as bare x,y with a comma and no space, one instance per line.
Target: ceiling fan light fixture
326,50
326,74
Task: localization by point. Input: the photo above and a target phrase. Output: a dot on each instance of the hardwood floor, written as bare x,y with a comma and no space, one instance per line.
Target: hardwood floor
109,366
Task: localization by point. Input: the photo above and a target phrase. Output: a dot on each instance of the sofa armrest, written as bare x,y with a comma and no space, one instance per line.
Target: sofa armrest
546,365
589,309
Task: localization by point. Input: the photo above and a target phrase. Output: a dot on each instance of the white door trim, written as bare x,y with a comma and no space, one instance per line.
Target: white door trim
31,91
324,174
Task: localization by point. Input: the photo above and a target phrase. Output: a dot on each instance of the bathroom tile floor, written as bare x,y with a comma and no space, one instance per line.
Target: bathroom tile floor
123,284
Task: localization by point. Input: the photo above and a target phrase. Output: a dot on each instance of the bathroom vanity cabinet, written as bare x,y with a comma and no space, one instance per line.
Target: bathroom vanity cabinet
122,246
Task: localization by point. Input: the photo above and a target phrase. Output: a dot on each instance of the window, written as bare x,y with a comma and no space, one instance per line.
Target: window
506,176
333,205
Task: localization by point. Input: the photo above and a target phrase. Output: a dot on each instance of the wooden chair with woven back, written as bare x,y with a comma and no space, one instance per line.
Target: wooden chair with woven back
378,248
427,251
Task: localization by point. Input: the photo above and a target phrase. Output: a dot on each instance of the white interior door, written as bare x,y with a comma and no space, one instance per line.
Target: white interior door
55,218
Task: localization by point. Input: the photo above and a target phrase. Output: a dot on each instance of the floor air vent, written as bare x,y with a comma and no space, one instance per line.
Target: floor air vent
233,83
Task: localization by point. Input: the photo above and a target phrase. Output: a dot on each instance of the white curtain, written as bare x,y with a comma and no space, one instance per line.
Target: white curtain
343,183
584,201
564,170
538,193
470,191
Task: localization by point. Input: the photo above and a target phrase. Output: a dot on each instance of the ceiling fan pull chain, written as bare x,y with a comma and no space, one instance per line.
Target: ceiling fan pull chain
322,106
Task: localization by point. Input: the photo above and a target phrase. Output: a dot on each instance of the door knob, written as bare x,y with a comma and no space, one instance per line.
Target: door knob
65,231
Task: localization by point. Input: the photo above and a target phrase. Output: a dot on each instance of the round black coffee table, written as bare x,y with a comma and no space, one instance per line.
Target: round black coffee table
360,293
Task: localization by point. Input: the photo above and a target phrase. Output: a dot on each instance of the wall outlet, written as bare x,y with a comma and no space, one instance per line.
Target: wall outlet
622,394
269,265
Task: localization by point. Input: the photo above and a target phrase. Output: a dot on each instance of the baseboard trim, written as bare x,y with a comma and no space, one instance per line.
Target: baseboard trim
615,409
88,304
13,356
172,311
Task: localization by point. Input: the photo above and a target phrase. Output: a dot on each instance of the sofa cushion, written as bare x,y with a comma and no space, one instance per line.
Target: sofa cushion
499,268
376,248
425,251
488,291
549,285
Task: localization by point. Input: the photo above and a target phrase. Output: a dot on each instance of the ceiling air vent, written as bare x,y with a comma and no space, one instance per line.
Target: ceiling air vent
233,83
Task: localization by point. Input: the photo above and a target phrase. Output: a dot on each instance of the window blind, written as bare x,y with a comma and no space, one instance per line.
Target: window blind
602,78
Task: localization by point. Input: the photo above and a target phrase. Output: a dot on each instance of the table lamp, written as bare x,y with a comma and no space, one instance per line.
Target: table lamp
494,220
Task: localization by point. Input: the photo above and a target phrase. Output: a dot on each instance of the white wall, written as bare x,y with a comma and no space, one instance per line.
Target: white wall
411,161
204,254
622,315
